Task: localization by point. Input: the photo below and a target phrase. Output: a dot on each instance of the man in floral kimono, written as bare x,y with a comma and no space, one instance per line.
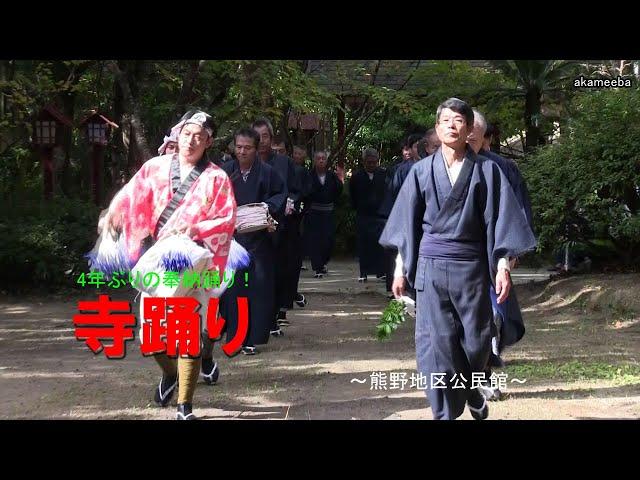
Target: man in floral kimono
206,214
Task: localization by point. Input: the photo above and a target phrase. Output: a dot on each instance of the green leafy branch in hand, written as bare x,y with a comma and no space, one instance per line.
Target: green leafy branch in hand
392,317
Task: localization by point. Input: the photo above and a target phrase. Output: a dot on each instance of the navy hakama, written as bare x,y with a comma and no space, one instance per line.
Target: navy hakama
450,240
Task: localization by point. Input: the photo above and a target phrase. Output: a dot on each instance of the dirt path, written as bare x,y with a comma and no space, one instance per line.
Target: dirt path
580,359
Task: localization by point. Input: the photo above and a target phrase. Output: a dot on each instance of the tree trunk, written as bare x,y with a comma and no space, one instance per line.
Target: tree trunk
632,199
121,139
138,146
68,105
532,119
495,141
70,75
3,78
356,120
341,132
3,103
186,92
284,128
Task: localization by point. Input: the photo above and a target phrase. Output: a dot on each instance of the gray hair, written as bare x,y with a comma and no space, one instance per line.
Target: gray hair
318,152
370,152
428,133
458,106
479,118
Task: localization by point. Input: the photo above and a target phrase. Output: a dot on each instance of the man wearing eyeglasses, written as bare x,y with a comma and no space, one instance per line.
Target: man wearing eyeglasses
456,223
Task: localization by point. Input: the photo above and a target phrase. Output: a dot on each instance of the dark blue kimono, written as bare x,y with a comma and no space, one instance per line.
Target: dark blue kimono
319,220
512,323
366,197
451,239
284,237
394,183
263,185
516,181
294,235
395,178
285,167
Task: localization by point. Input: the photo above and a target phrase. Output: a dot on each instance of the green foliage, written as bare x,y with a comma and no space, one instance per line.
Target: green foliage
585,187
392,317
537,83
268,88
399,113
16,168
45,245
483,88
588,179
625,374
383,132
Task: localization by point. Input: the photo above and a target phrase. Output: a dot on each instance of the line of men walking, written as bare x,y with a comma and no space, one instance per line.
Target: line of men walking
445,225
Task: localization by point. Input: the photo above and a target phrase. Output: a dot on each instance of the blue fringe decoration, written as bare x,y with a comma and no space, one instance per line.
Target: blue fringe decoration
175,262
112,262
238,257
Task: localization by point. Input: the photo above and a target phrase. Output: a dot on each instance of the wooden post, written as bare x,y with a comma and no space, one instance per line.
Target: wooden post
97,160
46,159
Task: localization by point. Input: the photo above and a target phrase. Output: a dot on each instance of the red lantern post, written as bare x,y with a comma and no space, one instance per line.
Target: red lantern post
97,130
48,130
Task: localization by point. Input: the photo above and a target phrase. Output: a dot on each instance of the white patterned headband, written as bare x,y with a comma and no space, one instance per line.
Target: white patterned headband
201,119
173,137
